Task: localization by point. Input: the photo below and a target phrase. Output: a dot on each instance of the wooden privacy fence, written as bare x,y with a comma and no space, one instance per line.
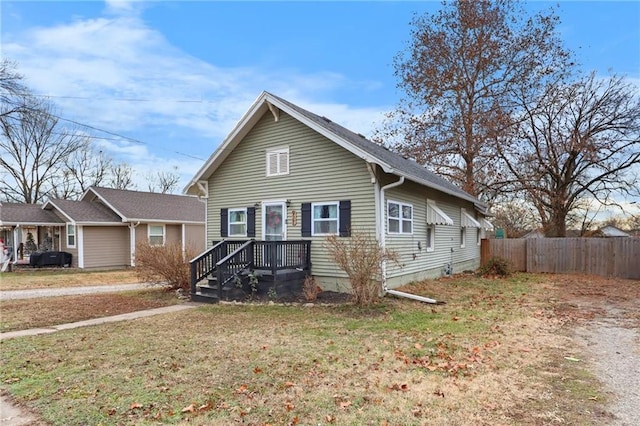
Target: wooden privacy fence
607,257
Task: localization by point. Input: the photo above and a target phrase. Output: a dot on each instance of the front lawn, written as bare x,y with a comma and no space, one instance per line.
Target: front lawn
28,278
494,354
22,314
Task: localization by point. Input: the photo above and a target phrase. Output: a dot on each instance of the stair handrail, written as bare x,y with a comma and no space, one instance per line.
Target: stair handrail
221,265
203,264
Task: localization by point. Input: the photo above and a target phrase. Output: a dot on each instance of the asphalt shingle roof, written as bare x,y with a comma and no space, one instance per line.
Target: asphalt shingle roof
20,213
395,160
86,211
149,206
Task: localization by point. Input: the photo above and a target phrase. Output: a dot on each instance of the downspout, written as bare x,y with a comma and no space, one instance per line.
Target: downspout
381,227
382,239
132,239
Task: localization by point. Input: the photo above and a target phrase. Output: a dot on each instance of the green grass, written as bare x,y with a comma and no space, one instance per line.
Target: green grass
260,364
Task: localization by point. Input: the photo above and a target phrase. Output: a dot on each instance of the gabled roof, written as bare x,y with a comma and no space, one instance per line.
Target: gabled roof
134,206
13,214
83,212
613,231
357,144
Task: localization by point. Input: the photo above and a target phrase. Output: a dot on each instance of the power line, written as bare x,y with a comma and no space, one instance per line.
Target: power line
137,141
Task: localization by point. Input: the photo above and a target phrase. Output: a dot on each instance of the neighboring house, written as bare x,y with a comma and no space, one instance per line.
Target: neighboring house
102,229
286,174
612,231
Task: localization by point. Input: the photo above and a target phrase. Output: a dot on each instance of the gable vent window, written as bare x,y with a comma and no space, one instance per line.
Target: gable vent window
278,162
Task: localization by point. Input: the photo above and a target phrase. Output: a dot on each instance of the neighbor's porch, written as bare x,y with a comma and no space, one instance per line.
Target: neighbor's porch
234,270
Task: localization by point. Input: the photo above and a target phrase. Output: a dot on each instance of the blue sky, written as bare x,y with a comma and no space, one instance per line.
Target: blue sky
177,76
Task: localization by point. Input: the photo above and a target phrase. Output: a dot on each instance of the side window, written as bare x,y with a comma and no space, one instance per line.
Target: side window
463,237
71,235
399,218
278,162
156,235
431,237
325,218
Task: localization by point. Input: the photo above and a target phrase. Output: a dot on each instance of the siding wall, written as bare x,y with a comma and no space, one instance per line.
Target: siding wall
195,238
172,234
106,246
320,171
416,264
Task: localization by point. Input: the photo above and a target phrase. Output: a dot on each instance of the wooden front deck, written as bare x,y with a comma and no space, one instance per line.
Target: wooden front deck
233,270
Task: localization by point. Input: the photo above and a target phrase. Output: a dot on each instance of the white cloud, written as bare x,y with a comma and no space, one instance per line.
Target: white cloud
115,72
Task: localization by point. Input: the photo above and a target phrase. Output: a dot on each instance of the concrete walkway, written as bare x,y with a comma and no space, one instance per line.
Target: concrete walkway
70,291
96,321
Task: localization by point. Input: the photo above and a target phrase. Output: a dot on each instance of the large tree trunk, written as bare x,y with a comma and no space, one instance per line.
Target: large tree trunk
557,225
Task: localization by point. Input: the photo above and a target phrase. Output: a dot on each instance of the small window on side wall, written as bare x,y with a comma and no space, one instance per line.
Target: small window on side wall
463,237
431,237
399,218
156,235
71,235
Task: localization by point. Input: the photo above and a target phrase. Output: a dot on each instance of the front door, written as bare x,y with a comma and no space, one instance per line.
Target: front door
274,228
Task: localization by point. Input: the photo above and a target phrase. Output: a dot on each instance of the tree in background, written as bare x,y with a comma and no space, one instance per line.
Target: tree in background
516,218
10,87
577,141
459,75
33,149
163,182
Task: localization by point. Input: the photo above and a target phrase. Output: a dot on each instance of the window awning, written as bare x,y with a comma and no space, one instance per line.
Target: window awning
435,216
468,221
488,226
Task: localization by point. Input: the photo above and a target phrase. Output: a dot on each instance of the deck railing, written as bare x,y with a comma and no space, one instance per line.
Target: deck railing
205,263
228,258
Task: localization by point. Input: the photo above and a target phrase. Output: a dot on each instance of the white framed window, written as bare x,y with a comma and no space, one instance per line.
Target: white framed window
463,237
278,162
431,237
325,218
237,222
479,235
156,235
71,235
399,218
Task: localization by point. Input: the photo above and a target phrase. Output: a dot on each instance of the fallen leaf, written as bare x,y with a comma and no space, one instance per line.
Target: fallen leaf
135,405
190,409
289,384
345,404
257,370
418,346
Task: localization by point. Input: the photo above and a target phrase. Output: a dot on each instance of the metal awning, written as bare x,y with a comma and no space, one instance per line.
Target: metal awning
435,216
488,226
468,221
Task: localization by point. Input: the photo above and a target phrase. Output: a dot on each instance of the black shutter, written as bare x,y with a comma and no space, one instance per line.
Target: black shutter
224,222
306,219
251,222
345,218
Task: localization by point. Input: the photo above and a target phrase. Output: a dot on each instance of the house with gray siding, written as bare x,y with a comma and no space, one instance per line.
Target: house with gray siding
101,229
287,174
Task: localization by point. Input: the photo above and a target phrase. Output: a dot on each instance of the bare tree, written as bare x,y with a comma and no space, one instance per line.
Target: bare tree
578,141
10,88
516,218
458,75
163,182
33,149
121,176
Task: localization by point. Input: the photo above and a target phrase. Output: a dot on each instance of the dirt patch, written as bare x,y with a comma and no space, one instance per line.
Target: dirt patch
604,317
28,278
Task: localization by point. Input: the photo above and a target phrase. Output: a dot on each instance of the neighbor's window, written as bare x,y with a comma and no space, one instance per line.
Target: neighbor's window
156,235
463,237
237,222
71,235
431,237
325,218
399,217
278,162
